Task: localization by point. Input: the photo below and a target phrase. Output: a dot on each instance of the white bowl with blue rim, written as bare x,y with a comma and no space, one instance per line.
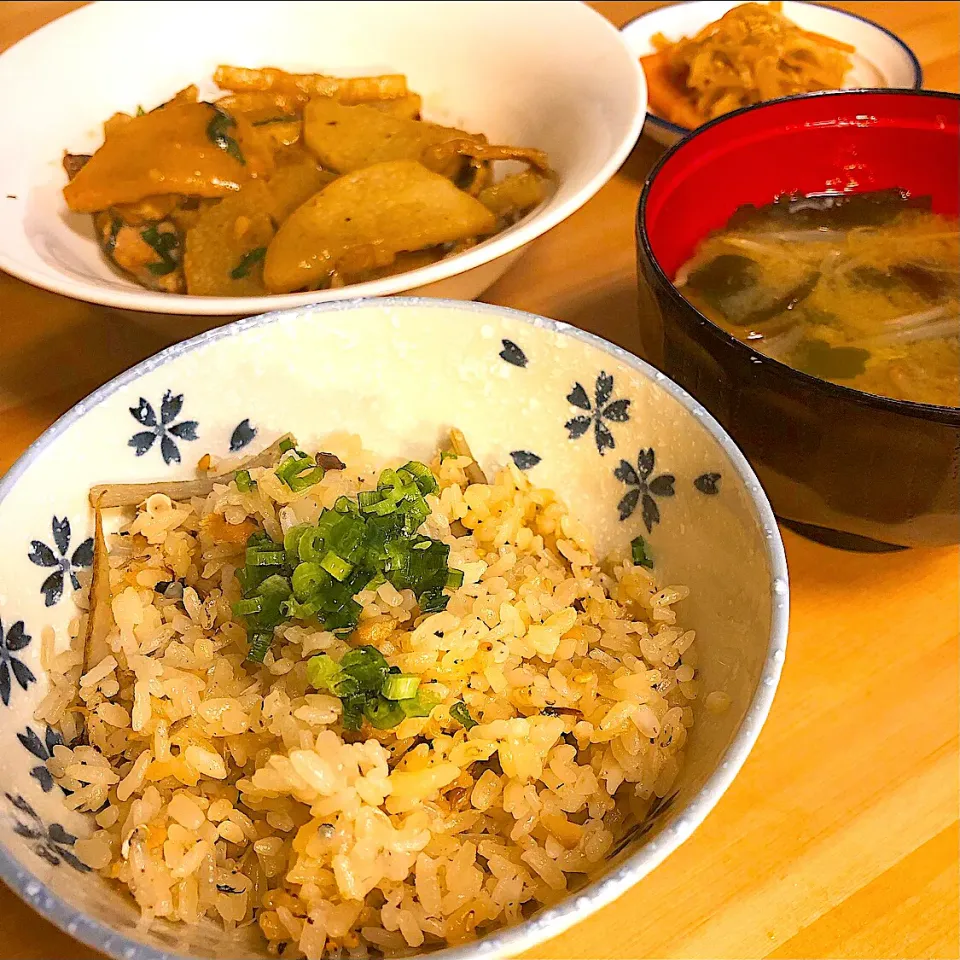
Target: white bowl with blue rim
551,75
881,58
626,448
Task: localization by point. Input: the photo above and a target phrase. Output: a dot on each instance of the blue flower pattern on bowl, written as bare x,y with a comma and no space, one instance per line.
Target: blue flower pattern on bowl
57,556
242,434
13,639
163,428
42,749
601,409
643,489
51,842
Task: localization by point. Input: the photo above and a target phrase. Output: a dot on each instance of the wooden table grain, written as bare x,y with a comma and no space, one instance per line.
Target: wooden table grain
840,836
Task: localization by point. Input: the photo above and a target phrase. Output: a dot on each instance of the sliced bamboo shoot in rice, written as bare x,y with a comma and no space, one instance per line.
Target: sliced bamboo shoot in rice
109,495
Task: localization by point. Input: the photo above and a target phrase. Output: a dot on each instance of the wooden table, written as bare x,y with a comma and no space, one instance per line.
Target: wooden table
840,836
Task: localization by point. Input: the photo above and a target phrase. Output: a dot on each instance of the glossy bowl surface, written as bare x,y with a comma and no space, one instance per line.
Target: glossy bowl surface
882,59
555,76
648,458
831,458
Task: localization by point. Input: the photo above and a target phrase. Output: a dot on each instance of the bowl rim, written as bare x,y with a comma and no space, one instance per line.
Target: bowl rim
678,131
575,906
507,242
923,411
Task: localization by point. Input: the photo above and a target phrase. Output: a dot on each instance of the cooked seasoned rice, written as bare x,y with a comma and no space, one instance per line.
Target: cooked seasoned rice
227,789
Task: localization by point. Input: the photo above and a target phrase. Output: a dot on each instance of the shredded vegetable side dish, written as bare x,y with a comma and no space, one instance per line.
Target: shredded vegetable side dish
292,182
751,54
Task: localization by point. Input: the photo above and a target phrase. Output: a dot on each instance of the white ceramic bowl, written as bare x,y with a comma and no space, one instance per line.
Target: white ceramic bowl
882,59
551,75
666,469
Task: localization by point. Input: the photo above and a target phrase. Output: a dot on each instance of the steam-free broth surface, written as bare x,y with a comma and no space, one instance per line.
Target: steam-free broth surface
858,289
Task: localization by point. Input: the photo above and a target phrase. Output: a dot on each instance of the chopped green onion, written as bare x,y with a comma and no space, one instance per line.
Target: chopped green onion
382,713
345,505
311,545
454,579
446,455
323,672
308,479
217,133
420,705
243,481
433,601
337,567
309,578
353,712
259,645
423,476
291,467
246,263
286,444
367,666
461,714
366,499
400,686
638,551
244,607
265,558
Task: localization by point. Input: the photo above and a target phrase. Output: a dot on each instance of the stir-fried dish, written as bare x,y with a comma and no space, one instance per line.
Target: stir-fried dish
751,54
859,289
366,710
292,182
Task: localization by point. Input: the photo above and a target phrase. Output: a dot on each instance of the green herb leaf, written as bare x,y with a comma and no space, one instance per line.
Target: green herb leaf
218,132
166,245
820,359
461,714
247,262
638,551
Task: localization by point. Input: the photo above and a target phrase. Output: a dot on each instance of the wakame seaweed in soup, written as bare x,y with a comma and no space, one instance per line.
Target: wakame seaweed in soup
858,289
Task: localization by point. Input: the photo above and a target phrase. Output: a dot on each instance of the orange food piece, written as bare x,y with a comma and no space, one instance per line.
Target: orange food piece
217,528
667,99
166,151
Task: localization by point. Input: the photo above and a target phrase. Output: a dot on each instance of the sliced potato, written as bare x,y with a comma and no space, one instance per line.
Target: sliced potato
514,195
394,206
347,89
407,107
292,184
165,151
226,247
348,138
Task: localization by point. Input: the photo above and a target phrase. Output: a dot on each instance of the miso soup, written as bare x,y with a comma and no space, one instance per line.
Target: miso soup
858,289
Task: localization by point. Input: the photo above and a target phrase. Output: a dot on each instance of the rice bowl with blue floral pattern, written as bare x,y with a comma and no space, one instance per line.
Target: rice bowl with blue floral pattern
375,629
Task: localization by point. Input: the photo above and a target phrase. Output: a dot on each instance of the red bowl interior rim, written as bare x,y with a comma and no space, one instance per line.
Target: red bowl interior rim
844,141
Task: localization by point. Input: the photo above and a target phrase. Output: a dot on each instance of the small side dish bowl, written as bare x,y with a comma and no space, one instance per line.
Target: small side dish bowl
626,448
851,468
881,59
557,77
